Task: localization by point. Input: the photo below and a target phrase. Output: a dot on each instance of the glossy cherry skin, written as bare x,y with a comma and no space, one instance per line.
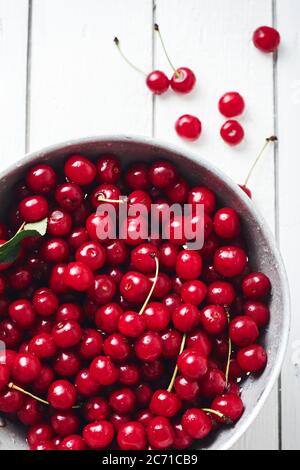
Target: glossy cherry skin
171,302
122,401
129,374
148,347
108,169
186,317
199,341
77,237
59,223
44,380
10,334
230,261
188,265
171,341
85,384
65,423
183,80
116,347
31,413
26,368
188,127
196,423
22,313
116,252
142,258
136,176
91,344
68,311
135,287
256,286
41,179
43,346
69,196
92,254
105,191
162,174
134,230
227,223
186,389
178,193
62,395
78,276
72,442
231,104
164,403
243,331
67,363
19,279
96,409
45,302
221,293
214,319
107,317
132,436
258,311
232,132
192,364
4,376
252,358
202,195
55,250
157,82
143,394
33,208
182,440
118,420
212,384
67,334
39,433
157,316
80,170
98,435
103,289
193,292
160,433
266,39
231,406
100,227
131,324
103,371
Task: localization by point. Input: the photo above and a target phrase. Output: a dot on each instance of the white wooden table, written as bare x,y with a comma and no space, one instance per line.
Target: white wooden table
61,77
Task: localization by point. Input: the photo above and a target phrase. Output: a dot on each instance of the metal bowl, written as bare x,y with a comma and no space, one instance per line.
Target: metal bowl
264,256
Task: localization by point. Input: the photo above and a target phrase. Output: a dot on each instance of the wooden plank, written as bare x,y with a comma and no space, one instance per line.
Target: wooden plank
80,86
288,19
215,41
13,59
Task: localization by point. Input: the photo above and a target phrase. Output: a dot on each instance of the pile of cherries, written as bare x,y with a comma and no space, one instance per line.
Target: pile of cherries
124,343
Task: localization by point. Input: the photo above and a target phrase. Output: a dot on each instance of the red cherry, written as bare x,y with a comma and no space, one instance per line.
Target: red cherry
214,319
196,423
142,258
162,287
246,190
227,223
182,439
129,374
243,331
148,347
66,333
103,371
92,254
202,195
59,223
221,293
153,371
91,344
252,358
258,311
137,176
164,403
116,347
45,302
188,127
178,192
69,196
135,287
186,317
188,265
105,191
107,317
10,334
192,364
231,406
62,395
171,302
31,413
19,278
157,82
232,132
33,208
131,324
65,423
118,420
55,250
131,436
4,376
43,346
199,341
122,401
160,433
168,256
230,261
98,435
143,394
100,227
22,313
108,169
256,286
77,237
41,179
103,290
68,311
193,292
212,384
66,364
171,341
72,442
78,276
44,380
96,409
134,230
231,104
183,80
85,384
266,39
39,433
80,170
186,389
162,174
26,368
157,316
116,253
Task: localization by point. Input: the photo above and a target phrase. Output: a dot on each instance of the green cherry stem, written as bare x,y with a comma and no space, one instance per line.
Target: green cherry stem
273,138
153,255
12,386
218,414
156,28
229,350
134,67
171,384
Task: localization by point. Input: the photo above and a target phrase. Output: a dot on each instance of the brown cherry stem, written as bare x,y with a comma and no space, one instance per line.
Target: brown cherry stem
134,67
13,386
273,138
153,285
171,384
218,414
111,201
229,350
156,28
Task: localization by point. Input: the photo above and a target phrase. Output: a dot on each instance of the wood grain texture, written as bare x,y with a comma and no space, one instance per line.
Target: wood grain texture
215,41
79,84
13,60
288,19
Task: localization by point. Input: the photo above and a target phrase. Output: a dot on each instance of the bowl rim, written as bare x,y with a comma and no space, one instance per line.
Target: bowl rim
194,157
